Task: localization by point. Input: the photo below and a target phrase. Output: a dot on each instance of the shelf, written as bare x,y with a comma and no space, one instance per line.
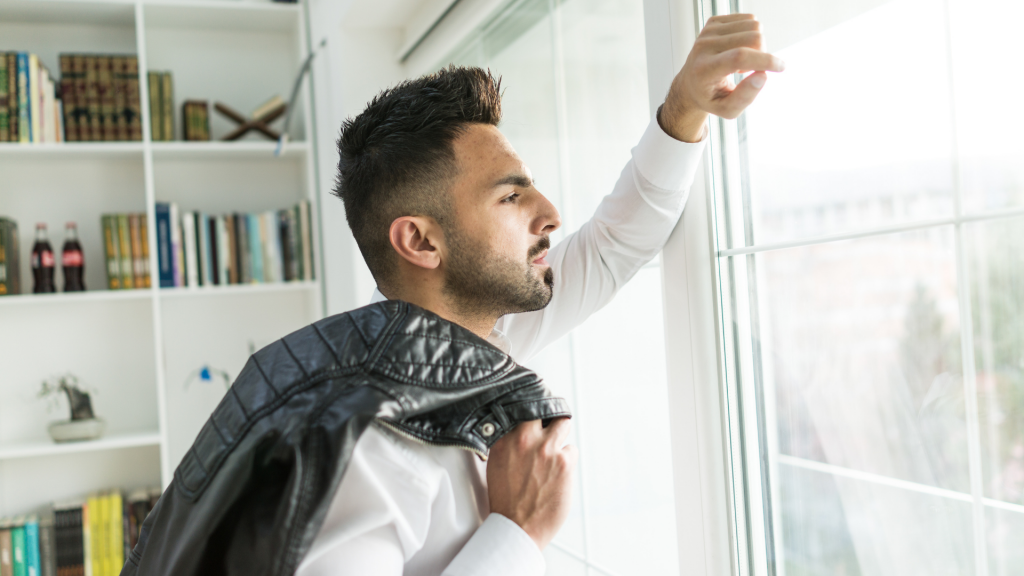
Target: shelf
97,13
74,297
217,151
66,150
238,289
246,15
37,448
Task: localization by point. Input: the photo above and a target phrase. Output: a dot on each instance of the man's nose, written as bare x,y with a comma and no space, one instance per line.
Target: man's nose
547,219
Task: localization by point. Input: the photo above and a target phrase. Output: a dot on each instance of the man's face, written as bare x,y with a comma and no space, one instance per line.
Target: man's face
498,239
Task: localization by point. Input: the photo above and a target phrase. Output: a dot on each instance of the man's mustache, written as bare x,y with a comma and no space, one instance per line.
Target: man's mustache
541,246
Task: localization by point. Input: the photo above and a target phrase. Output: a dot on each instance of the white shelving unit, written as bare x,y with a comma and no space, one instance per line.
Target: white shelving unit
139,351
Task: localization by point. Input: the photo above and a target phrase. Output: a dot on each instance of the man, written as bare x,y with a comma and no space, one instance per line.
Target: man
447,217
351,446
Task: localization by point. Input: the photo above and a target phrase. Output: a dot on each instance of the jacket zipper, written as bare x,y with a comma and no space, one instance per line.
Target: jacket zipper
406,435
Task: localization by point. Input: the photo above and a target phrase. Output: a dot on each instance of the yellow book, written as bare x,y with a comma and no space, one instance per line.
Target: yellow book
115,537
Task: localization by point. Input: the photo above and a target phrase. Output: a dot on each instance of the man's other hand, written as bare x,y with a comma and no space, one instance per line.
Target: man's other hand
729,44
529,477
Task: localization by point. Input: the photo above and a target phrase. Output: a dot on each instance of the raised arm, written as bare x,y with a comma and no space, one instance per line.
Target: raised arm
632,224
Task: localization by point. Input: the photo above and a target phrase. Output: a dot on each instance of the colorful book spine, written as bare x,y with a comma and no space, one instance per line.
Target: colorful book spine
138,263
47,549
213,237
33,98
18,551
92,98
133,105
32,560
120,97
231,249
306,240
205,253
6,551
167,99
164,247
24,111
156,107
188,231
252,226
178,258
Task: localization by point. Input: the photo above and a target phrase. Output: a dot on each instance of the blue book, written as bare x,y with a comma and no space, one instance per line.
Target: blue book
255,246
24,84
163,239
32,546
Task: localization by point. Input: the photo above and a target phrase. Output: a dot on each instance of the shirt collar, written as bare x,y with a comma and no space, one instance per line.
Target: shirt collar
496,338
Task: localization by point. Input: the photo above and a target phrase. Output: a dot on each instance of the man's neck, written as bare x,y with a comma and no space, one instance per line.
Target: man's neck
480,324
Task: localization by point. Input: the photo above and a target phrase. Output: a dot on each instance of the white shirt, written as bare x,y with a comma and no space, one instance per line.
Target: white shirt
409,508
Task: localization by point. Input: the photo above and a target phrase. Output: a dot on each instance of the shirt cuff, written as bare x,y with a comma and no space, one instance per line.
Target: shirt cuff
665,162
499,547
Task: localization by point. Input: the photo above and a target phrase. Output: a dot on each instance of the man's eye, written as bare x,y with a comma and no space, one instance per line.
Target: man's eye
511,199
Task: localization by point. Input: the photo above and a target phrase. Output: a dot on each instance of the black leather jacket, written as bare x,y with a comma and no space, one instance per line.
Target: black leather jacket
250,495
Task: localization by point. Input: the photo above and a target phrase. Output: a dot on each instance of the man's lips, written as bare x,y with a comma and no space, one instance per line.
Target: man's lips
540,259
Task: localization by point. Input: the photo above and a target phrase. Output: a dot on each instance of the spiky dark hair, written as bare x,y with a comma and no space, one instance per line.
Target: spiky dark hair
397,157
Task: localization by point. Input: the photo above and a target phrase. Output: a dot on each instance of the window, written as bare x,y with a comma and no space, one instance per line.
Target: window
868,214
575,102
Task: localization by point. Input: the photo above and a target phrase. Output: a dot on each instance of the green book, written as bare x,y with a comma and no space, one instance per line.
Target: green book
113,256
18,552
124,248
5,111
156,107
167,96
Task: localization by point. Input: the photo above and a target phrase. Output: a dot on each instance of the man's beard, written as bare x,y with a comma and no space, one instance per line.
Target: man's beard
480,283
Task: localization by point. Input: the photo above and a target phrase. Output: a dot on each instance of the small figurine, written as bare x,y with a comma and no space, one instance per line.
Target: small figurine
83,425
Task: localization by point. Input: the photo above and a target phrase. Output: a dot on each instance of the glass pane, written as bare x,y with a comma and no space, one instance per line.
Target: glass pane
626,459
857,132
996,251
986,44
1006,532
862,374
607,109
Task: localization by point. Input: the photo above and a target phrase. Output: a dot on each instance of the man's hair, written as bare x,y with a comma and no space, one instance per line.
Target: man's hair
397,157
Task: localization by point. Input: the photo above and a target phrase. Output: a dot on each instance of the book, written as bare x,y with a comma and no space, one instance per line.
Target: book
156,107
6,551
5,112
306,240
133,104
18,550
144,242
112,252
32,94
213,262
164,251
167,100
80,106
120,97
92,117
4,286
244,256
204,248
188,231
32,560
9,234
24,112
124,249
255,248
138,264
231,245
12,95
47,548
177,258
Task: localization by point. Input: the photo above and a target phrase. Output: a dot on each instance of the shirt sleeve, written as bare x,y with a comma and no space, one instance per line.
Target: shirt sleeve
498,548
628,229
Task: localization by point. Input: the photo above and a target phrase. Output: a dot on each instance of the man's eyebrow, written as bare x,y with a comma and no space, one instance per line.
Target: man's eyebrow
520,180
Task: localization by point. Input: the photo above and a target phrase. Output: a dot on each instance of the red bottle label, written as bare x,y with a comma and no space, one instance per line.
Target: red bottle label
48,261
72,258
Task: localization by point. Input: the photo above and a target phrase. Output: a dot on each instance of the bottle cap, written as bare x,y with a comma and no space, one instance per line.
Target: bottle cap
41,225
70,225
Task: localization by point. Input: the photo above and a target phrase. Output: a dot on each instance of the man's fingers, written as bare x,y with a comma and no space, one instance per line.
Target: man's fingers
745,60
732,105
558,432
732,28
750,39
726,18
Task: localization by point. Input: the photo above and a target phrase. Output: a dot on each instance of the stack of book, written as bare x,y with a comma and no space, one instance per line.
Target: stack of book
30,109
126,246
198,249
195,120
76,538
10,264
161,106
101,97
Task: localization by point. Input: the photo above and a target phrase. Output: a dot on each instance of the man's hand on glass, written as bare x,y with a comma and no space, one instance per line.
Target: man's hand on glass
728,45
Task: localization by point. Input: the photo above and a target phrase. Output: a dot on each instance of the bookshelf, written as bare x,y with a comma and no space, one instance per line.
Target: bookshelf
135,350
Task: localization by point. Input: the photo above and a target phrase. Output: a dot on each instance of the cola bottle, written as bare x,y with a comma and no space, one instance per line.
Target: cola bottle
72,261
42,262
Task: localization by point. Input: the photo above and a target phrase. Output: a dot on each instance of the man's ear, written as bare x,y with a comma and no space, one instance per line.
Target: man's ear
417,239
